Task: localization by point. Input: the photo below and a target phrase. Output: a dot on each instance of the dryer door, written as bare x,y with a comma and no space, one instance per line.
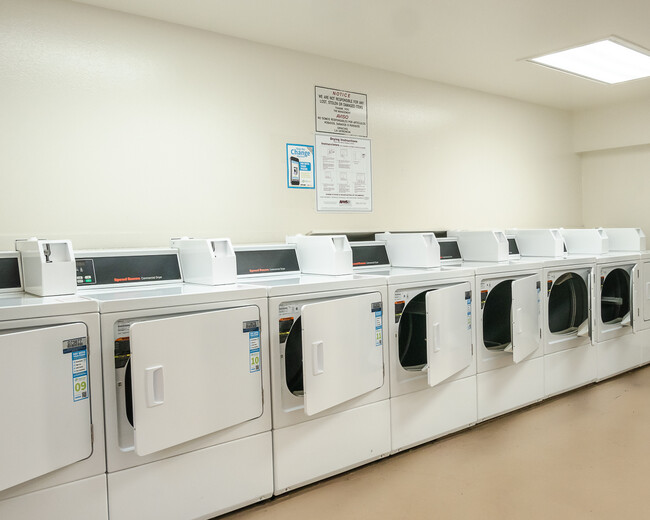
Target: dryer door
193,375
526,331
449,332
45,405
342,350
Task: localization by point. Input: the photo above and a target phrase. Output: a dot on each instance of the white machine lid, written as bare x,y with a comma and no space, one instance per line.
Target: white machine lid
19,305
617,257
171,295
504,267
395,275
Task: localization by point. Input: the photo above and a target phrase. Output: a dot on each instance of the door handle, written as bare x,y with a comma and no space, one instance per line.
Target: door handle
154,386
435,337
520,330
317,358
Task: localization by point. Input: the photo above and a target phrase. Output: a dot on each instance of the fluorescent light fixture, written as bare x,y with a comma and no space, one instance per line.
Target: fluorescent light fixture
610,61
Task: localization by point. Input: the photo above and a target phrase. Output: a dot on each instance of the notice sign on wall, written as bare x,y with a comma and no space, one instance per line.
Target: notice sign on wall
341,112
344,181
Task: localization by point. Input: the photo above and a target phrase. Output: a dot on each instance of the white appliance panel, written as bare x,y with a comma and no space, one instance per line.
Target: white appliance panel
526,331
342,348
193,375
449,333
46,420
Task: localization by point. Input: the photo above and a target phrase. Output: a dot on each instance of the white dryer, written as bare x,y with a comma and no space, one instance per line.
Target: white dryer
185,370
617,350
329,366
508,317
430,336
52,462
633,240
569,356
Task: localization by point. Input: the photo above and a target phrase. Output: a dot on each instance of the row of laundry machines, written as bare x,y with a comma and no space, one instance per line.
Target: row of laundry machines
190,381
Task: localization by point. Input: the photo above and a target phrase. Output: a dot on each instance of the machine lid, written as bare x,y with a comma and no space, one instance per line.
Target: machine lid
193,375
342,350
44,381
369,254
449,332
127,267
267,260
526,330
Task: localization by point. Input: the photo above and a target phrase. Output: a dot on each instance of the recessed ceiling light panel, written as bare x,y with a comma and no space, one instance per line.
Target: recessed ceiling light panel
610,61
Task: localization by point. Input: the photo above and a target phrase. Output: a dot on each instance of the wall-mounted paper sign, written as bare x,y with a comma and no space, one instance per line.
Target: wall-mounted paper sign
344,181
300,166
341,112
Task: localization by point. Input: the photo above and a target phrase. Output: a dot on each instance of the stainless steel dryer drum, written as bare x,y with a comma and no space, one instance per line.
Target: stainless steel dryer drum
568,304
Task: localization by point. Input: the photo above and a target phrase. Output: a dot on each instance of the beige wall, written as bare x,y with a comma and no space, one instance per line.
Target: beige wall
614,143
617,187
121,131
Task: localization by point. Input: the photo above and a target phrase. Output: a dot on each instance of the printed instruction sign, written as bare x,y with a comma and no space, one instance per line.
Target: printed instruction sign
344,181
300,166
341,112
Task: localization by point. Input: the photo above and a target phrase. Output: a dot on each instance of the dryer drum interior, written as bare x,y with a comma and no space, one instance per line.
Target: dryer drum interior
412,334
568,304
293,359
128,393
615,296
497,317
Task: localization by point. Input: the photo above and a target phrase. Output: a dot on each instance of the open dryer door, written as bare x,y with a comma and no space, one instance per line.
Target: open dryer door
45,406
526,332
342,350
192,375
449,333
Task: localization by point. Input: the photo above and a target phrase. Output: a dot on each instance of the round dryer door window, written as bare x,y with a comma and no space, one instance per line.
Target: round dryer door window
568,304
615,296
497,317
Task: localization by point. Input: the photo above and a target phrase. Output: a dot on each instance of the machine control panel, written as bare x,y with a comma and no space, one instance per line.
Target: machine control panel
266,261
10,273
127,269
374,255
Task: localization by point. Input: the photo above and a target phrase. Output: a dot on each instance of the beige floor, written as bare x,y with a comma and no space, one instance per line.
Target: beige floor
585,454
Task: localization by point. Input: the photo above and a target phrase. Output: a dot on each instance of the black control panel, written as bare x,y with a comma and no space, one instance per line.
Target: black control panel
127,269
267,261
449,250
369,255
9,273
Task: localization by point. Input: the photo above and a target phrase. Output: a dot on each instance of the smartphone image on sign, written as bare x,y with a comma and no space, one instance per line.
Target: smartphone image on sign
295,171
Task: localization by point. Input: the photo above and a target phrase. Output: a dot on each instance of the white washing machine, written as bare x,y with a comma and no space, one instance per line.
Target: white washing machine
52,462
569,356
329,367
617,349
185,370
430,336
508,317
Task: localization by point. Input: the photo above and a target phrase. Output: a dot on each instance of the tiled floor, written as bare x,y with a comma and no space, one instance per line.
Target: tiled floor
585,454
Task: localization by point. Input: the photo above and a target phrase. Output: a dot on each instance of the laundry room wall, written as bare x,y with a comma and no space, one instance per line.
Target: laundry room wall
614,146
122,131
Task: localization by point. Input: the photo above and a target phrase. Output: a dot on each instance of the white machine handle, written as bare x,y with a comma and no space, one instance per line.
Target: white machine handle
317,358
647,290
520,330
436,337
155,386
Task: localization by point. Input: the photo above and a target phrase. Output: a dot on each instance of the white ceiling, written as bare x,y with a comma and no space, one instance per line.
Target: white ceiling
478,44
